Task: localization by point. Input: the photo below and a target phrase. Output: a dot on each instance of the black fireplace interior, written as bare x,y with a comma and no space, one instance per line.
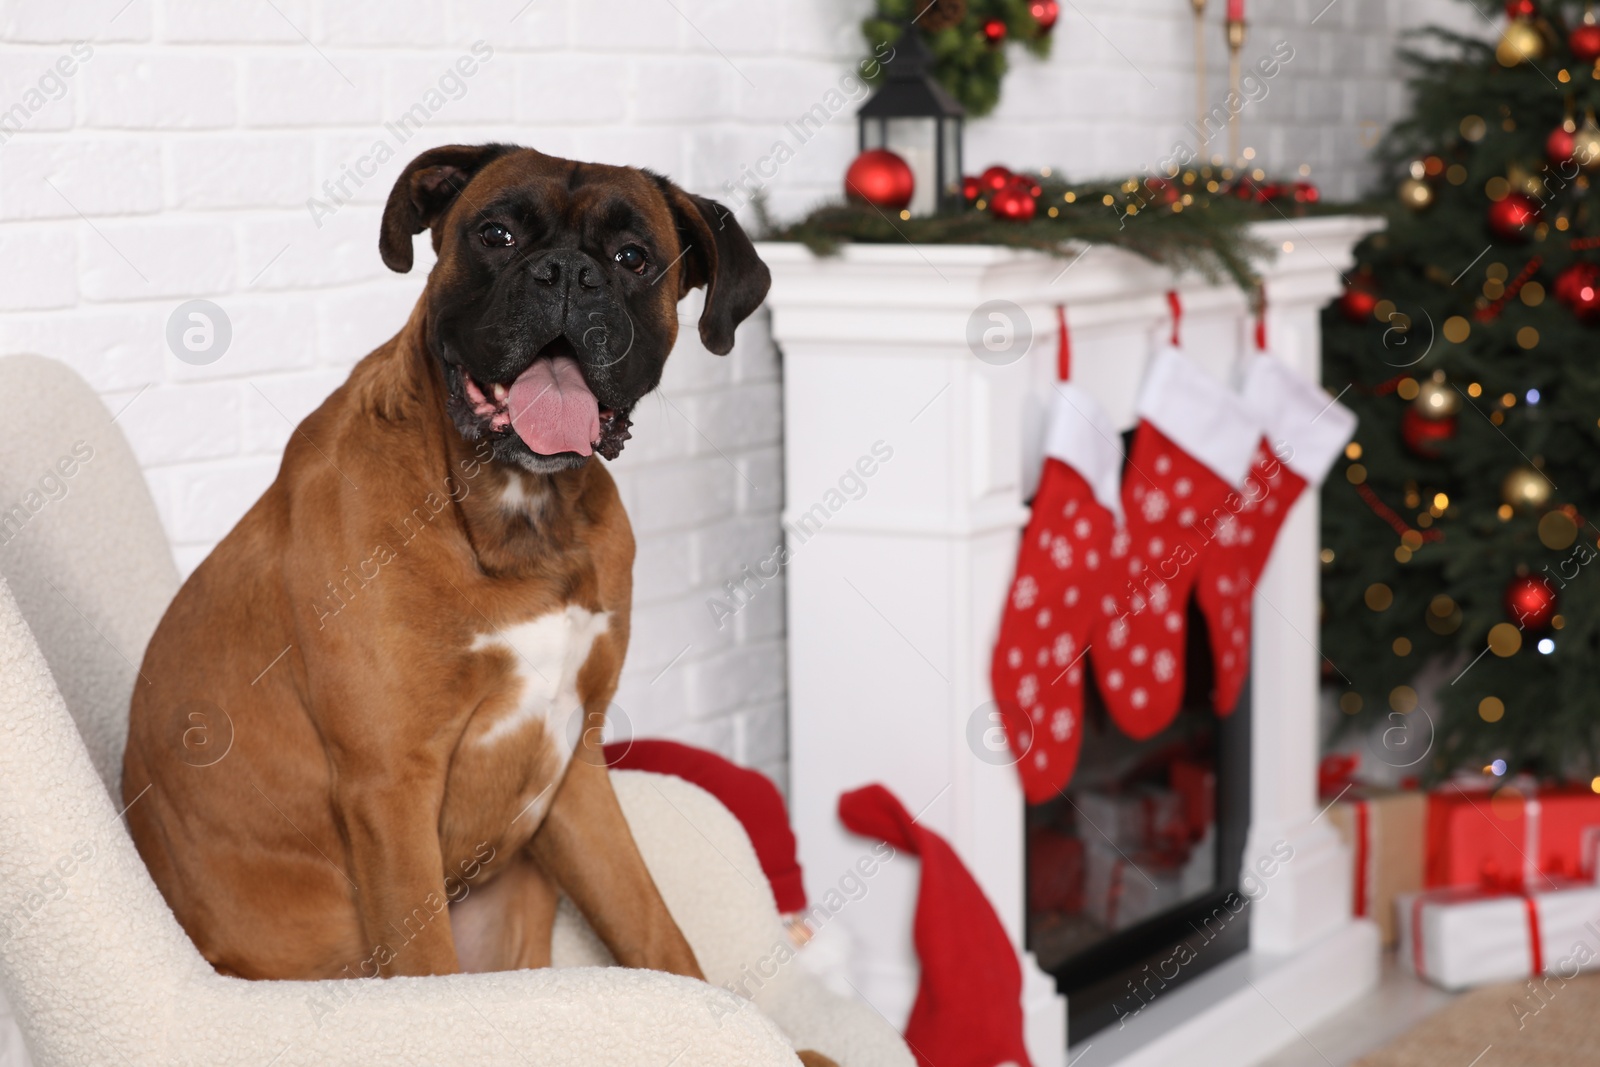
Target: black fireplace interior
1133,874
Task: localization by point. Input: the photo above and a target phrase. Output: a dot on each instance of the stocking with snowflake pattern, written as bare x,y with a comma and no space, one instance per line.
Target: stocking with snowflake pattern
1193,445
1062,571
1304,431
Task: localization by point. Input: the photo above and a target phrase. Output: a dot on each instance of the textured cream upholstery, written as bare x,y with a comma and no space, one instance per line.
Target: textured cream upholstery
89,567
97,971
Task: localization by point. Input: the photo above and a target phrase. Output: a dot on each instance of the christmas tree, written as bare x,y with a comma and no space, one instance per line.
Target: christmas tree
1461,533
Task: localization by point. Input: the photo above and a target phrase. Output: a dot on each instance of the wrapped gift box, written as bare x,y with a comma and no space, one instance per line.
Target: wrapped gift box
1385,832
1200,869
1516,834
1461,938
1196,786
1055,871
1122,889
1133,819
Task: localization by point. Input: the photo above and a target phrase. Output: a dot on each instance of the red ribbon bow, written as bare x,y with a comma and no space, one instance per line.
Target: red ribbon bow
1337,771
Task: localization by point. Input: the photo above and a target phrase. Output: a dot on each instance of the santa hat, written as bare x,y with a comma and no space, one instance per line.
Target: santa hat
749,795
968,1011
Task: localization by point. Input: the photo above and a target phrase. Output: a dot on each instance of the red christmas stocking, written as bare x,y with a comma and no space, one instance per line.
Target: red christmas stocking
1063,570
1193,445
1304,432
968,1011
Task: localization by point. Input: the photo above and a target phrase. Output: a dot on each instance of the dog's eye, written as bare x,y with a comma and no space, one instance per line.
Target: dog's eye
633,258
496,236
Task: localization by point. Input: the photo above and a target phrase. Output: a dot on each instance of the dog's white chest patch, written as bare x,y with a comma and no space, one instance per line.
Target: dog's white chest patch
547,654
515,498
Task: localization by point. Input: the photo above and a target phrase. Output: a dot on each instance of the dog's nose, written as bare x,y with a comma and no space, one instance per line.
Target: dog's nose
566,267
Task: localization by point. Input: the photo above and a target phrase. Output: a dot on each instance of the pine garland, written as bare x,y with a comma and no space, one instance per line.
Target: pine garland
1207,235
966,62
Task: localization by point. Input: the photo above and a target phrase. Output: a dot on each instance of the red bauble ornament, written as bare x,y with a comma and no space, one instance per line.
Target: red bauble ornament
1531,602
1015,203
994,31
1519,9
995,179
1254,191
1045,13
1578,287
1306,193
1422,436
971,187
881,178
1560,145
1585,42
1161,191
1358,304
1513,218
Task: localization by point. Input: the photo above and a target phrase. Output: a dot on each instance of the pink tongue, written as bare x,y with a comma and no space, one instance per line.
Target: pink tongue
552,409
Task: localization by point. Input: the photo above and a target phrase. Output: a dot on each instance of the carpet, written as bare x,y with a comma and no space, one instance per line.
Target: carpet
1548,1023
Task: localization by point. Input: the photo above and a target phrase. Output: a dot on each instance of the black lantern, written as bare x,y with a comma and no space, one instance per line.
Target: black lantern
913,116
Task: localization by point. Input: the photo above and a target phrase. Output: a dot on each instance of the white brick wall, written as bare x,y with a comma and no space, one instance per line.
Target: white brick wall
1117,92
176,162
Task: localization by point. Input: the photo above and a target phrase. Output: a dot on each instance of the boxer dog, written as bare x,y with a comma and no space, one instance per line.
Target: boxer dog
368,723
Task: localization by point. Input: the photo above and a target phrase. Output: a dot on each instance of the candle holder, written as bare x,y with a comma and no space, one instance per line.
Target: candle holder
1235,45
1200,77
913,116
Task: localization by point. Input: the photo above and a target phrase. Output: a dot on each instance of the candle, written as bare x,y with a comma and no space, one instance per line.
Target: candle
1235,10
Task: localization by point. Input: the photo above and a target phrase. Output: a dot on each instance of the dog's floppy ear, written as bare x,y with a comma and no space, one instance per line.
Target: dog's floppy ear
718,255
424,192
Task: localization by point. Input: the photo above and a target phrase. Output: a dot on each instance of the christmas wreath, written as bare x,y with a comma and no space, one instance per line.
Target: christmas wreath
968,39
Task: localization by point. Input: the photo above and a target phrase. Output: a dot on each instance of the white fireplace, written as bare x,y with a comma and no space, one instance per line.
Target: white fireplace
895,584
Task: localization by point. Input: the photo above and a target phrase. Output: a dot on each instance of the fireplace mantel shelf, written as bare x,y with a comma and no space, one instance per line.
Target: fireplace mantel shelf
946,280
894,601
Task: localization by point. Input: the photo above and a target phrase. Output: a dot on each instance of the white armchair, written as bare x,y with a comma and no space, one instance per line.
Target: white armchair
95,967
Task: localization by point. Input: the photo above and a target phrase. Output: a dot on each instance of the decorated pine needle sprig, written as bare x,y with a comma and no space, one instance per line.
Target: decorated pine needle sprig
1196,221
970,40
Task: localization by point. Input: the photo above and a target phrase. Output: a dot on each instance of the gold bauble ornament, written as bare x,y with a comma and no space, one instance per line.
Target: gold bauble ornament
1436,400
1416,194
1524,180
1525,488
1520,43
1586,144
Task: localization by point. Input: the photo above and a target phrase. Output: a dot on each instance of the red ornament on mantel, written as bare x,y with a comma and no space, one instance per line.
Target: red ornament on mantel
1513,218
995,178
1045,13
1519,9
1161,191
971,187
1578,287
1531,602
1014,203
994,31
881,178
1585,42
